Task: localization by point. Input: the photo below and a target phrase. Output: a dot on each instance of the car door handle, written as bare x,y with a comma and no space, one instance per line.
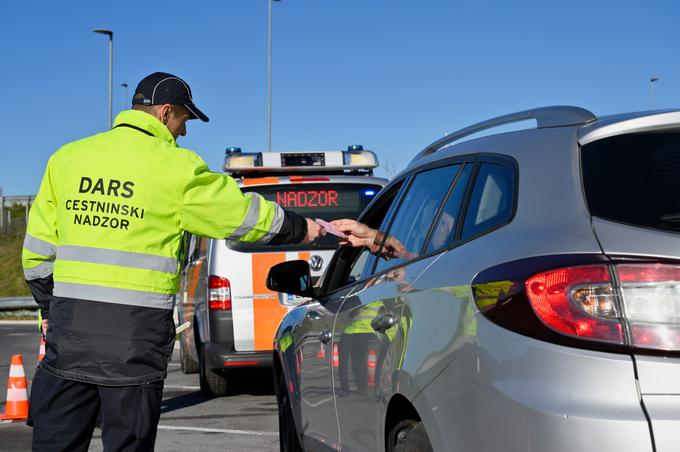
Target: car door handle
384,322
325,336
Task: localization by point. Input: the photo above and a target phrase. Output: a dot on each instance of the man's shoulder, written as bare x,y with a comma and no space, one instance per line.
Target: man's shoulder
80,143
190,157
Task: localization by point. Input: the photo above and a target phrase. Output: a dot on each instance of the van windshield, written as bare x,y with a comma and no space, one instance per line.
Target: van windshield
325,201
634,179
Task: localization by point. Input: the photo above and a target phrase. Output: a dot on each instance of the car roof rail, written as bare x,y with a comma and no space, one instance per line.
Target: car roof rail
557,116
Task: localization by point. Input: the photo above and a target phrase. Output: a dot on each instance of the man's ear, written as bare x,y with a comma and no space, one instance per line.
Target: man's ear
163,113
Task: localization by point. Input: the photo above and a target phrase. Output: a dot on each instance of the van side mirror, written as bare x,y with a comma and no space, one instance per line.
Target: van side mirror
292,277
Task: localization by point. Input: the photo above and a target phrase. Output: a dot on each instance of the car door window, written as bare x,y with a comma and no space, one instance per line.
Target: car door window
417,212
358,266
445,226
491,201
349,264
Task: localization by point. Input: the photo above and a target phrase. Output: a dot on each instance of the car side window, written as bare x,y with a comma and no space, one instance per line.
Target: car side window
350,264
197,248
491,201
358,266
445,226
417,212
191,248
202,247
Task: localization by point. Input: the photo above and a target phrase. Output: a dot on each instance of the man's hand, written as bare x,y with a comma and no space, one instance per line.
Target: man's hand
44,327
314,231
358,234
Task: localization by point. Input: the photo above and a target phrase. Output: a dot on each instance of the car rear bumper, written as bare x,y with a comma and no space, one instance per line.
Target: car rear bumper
223,356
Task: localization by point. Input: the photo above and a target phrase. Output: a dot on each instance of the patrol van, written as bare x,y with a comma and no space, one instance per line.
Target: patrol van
223,293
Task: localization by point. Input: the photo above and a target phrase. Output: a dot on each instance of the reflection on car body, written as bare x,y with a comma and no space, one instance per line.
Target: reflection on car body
532,307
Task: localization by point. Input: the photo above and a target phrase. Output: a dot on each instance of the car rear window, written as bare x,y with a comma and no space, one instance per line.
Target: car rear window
634,179
325,201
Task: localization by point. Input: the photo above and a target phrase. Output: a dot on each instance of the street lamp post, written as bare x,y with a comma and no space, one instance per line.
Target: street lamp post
651,90
125,99
269,76
110,35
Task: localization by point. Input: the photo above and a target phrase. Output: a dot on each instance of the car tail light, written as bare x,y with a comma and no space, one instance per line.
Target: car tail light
651,302
578,301
219,293
605,306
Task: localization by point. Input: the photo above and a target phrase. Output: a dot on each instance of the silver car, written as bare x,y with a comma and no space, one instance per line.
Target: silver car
536,309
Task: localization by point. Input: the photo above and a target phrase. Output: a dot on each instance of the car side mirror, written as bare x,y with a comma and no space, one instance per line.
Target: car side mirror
292,277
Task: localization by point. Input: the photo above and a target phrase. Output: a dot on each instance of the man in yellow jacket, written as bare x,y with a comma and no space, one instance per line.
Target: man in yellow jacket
101,256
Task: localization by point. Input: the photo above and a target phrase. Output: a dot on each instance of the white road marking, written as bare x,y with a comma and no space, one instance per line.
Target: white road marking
17,334
217,430
191,388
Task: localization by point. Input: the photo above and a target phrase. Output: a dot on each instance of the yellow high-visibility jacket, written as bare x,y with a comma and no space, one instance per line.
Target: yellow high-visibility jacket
107,225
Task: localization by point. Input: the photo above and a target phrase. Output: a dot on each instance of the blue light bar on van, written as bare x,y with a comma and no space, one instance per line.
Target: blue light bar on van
369,192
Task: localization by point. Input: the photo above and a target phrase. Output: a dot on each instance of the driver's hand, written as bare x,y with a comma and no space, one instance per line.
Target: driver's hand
358,234
393,248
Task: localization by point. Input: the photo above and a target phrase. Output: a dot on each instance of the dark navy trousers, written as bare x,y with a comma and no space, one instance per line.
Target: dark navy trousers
63,414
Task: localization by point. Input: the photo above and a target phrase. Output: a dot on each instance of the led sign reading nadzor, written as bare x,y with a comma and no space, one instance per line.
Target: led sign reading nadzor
335,200
307,198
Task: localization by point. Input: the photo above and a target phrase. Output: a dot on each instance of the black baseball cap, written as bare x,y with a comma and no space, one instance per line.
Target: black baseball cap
162,88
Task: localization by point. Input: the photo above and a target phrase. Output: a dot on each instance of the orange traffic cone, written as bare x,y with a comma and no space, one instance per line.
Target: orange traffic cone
336,356
41,351
17,396
371,363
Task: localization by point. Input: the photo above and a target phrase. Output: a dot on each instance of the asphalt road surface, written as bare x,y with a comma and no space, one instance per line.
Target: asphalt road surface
243,421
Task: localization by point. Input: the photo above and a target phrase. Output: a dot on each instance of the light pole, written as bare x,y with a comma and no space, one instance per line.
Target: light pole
125,104
269,75
110,34
651,90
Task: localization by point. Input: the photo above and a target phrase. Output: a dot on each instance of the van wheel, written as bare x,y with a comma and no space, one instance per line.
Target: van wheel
186,362
288,437
213,384
408,436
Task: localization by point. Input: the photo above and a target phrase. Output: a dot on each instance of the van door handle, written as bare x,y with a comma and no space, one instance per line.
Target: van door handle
384,322
325,336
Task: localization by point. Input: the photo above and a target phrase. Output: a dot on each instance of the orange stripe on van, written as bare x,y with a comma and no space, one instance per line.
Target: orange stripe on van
304,255
261,181
267,312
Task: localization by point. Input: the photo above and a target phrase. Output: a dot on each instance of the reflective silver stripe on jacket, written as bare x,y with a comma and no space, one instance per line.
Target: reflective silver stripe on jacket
43,270
251,217
114,295
276,225
40,247
366,315
119,258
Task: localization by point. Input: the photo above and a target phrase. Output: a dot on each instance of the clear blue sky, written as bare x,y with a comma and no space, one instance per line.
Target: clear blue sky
391,75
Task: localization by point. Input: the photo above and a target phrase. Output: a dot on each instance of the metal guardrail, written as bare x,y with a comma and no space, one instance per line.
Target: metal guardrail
12,303
6,204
